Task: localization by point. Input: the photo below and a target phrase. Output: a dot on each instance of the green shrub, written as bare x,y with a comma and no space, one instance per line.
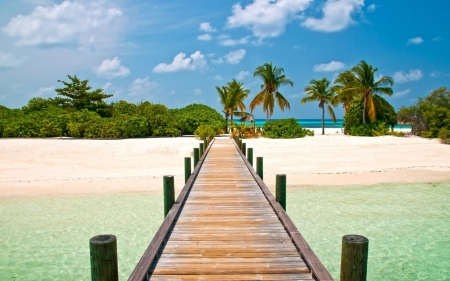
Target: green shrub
204,131
189,118
444,136
284,129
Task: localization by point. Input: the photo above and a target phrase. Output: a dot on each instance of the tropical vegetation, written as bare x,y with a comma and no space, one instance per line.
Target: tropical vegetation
232,97
273,78
285,129
319,90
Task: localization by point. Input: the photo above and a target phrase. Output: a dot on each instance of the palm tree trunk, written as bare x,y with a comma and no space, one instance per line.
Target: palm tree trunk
267,116
226,117
323,120
364,110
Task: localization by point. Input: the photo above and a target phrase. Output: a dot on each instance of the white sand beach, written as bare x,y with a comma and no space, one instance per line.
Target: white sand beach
53,167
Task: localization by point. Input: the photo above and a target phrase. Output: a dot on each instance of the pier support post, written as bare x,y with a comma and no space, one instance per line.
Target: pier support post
250,155
259,167
196,156
240,143
205,145
244,148
201,149
187,168
281,190
169,193
104,265
355,249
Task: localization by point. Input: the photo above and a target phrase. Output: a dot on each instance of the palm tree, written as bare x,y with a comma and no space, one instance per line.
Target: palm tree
343,94
238,93
319,90
272,79
232,98
226,100
361,79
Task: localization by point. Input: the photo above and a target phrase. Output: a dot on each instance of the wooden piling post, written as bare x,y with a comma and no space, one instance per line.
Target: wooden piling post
259,167
280,192
250,155
196,156
244,148
104,265
169,193
240,143
205,145
201,149
355,249
187,168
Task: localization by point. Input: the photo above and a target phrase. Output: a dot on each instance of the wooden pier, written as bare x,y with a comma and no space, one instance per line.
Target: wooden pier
226,225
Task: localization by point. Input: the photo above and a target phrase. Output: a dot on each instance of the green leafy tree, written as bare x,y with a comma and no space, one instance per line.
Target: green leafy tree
361,79
192,116
78,96
272,78
319,90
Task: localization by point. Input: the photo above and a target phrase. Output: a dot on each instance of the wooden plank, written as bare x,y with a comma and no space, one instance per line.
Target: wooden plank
297,276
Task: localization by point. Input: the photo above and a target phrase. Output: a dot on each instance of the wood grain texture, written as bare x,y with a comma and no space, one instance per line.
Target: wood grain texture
226,226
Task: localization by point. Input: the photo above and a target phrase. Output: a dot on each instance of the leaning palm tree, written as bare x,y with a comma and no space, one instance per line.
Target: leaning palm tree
237,91
272,79
319,90
227,100
361,78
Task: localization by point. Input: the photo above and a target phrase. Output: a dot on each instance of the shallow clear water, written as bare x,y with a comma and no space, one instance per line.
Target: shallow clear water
48,239
408,226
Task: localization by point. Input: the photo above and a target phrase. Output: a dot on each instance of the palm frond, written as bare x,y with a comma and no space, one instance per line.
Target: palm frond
331,113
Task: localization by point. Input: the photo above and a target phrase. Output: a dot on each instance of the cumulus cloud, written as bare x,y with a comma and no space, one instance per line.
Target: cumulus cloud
218,77
242,74
141,86
206,27
266,18
204,37
60,23
328,67
415,41
235,57
401,93
111,68
225,40
198,91
371,8
196,61
45,91
8,60
413,75
337,15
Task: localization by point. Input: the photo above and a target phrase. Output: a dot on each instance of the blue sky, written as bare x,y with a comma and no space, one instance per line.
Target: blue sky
176,52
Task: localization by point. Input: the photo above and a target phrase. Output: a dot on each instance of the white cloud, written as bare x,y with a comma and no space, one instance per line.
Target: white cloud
204,37
8,60
44,90
337,15
439,74
242,74
438,38
413,75
218,61
371,8
225,40
107,86
328,67
235,57
415,41
401,94
60,23
111,68
295,96
266,18
196,61
141,86
206,27
218,77
198,91
171,93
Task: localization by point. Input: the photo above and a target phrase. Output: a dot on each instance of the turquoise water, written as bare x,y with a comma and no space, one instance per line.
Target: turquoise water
408,226
312,123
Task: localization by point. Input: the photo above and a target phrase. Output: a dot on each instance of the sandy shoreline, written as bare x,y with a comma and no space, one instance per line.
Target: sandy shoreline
53,167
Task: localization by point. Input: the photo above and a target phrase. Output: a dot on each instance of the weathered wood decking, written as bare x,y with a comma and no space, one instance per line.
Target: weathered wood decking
226,225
